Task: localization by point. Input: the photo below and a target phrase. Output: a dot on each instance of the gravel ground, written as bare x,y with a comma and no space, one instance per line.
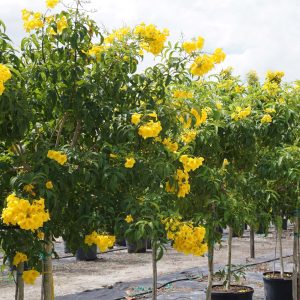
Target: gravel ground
120,273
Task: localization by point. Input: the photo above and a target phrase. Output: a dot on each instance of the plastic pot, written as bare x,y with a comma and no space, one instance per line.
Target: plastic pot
87,254
137,247
284,224
278,288
242,293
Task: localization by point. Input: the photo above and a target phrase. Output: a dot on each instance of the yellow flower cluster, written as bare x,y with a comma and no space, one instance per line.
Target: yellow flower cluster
30,276
5,75
171,146
240,113
274,76
102,241
184,187
199,119
118,34
266,119
57,156
193,45
19,258
152,39
61,24
187,238
21,212
179,94
150,129
272,88
188,136
186,123
129,219
202,65
95,50
32,20
130,162
190,163
51,3
205,63
218,56
225,163
136,118
270,110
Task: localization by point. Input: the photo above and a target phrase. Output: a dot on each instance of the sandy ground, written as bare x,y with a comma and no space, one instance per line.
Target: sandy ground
71,276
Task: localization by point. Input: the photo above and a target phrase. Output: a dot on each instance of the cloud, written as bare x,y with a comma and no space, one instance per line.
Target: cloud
255,34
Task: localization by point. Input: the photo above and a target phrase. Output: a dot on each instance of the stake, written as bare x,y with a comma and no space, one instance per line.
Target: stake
154,269
280,251
252,244
228,276
47,275
210,269
20,282
295,259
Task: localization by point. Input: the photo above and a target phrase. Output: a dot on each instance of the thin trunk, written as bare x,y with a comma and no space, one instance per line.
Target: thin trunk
228,276
298,257
20,282
275,249
61,125
48,284
295,258
76,134
280,251
252,243
154,270
210,269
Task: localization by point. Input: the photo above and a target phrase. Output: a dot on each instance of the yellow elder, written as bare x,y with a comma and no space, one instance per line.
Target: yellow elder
19,258
51,3
129,219
202,65
130,162
266,119
30,276
150,129
136,118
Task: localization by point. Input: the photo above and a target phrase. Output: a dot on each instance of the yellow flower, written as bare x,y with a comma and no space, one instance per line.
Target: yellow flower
153,115
150,129
219,105
111,155
51,3
225,163
188,136
179,94
30,276
202,65
136,118
58,156
172,147
40,235
266,119
61,24
129,163
270,110
274,76
28,188
102,241
5,73
129,219
218,56
19,258
152,39
170,188
49,185
193,45
190,163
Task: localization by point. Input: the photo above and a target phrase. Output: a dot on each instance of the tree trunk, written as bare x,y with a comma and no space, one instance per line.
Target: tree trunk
20,283
48,285
280,251
210,269
228,276
154,270
252,244
295,258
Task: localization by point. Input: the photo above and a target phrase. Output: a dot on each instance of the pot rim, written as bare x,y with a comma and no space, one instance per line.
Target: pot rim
249,291
276,279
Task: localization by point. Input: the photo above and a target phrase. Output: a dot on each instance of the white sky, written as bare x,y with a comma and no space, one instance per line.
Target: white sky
255,34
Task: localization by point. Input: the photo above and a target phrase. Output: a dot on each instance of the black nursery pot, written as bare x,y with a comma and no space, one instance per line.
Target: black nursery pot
278,288
246,293
136,247
87,254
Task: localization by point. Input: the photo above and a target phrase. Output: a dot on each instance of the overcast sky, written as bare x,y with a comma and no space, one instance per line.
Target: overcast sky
255,34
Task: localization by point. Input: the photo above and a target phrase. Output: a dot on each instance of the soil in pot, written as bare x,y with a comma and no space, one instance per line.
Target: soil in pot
236,292
87,254
276,287
136,247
